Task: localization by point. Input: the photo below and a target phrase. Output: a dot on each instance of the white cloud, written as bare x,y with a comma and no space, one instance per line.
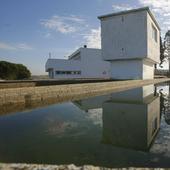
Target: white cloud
162,10
19,46
160,6
6,46
47,35
93,39
63,24
23,46
121,7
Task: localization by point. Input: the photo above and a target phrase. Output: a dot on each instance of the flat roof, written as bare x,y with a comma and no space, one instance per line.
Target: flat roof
131,11
78,51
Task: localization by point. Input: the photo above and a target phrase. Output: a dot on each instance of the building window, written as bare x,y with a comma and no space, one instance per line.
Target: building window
154,33
68,72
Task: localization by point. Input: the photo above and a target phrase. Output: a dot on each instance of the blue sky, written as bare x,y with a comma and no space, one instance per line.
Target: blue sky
30,29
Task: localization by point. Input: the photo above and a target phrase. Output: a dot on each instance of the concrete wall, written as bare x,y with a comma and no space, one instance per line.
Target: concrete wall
90,63
126,69
124,36
132,69
63,65
153,48
148,70
30,97
129,36
93,66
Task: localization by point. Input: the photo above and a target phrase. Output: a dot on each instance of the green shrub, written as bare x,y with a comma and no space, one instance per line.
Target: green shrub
12,71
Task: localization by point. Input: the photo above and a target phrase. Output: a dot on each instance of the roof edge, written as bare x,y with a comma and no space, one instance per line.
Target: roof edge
131,11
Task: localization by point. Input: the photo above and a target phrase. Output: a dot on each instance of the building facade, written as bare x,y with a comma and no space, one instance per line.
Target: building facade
131,43
83,63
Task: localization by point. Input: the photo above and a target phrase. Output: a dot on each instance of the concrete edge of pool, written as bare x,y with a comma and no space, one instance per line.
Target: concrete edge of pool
13,166
16,99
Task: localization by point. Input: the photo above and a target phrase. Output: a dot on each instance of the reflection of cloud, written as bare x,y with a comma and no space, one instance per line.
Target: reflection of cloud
95,115
56,126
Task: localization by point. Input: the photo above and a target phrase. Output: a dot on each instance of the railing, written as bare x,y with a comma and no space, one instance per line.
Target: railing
162,72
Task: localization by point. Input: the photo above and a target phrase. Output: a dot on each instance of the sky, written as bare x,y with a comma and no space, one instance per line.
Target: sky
30,29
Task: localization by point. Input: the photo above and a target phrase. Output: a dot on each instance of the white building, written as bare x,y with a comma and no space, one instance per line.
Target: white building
130,41
83,63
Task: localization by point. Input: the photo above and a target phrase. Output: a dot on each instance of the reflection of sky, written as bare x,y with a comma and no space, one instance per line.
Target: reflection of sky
165,89
69,118
95,116
162,142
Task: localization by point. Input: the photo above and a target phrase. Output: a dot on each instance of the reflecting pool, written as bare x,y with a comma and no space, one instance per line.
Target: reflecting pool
129,128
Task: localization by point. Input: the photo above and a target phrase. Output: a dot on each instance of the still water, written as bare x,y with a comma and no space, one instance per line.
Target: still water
129,128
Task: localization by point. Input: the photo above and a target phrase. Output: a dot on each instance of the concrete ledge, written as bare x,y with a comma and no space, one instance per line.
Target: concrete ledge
33,83
15,99
64,167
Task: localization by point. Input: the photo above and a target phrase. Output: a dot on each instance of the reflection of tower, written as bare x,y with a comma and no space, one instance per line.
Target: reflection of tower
92,102
93,107
131,118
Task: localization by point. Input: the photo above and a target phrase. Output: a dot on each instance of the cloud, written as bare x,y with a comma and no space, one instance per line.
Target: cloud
47,35
161,9
159,6
19,46
62,24
5,46
23,46
93,39
121,7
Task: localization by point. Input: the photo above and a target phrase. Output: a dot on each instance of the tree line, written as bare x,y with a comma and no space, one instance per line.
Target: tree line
12,71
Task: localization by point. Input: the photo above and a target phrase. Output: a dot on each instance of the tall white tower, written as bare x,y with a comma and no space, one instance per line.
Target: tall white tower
130,41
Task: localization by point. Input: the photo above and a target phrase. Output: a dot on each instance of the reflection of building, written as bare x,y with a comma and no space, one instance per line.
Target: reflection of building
130,41
130,118
93,107
92,103
83,63
131,122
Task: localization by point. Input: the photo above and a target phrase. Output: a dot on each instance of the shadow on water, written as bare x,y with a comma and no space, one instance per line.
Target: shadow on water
116,130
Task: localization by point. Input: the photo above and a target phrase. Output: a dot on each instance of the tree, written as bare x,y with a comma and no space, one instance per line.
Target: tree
12,71
164,48
167,43
162,52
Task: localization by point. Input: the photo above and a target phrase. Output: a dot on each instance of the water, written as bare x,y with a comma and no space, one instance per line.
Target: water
129,128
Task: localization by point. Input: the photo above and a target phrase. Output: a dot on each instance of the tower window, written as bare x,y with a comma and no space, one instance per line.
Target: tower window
154,33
